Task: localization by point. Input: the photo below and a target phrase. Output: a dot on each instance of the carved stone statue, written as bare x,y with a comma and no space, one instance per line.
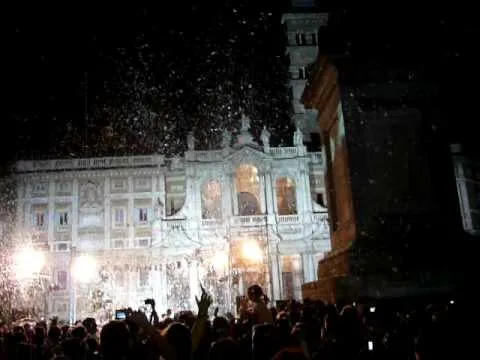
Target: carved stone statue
226,138
191,141
298,137
265,137
244,138
245,123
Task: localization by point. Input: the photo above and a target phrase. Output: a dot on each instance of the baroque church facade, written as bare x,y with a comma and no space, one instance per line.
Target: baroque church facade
158,227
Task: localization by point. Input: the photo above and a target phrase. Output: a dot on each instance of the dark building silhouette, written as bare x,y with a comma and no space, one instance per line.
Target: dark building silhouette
391,200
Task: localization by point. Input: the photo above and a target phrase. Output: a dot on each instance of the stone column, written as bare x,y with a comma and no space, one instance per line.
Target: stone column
20,212
132,276
107,215
51,212
194,283
162,288
263,193
130,219
308,273
270,196
234,194
276,277
75,212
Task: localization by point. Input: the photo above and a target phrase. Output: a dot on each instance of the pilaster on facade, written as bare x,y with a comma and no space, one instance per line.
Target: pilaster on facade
75,187
130,221
108,215
51,225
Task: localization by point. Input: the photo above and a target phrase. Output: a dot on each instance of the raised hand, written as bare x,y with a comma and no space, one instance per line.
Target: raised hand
204,302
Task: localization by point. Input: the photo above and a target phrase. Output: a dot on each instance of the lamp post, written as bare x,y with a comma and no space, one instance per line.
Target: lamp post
28,265
82,270
72,291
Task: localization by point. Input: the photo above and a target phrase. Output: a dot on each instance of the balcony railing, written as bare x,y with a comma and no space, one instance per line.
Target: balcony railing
288,219
284,152
211,223
238,221
175,225
253,220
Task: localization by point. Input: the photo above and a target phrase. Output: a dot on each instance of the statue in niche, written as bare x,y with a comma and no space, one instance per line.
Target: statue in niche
191,141
265,137
226,138
245,123
298,137
91,204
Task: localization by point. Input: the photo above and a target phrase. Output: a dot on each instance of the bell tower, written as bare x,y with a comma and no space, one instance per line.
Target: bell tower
302,23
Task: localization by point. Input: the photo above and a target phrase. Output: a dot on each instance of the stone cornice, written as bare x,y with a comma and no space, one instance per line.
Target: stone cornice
87,174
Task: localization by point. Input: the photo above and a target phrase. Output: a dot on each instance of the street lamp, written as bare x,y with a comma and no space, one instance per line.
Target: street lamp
83,270
28,262
251,252
220,262
28,265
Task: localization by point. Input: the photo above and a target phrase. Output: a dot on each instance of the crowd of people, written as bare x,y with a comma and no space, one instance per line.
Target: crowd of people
308,330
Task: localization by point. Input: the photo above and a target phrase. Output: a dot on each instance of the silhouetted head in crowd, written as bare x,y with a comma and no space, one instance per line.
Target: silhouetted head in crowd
180,339
54,333
290,354
79,332
224,349
220,327
74,349
90,325
115,342
255,293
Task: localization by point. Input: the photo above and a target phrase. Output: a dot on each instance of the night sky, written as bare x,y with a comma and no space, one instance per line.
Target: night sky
154,73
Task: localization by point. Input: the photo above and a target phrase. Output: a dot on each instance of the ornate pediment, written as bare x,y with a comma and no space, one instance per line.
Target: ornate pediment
247,155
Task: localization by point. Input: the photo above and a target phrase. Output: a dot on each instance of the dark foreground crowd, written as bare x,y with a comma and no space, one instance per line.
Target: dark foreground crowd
311,330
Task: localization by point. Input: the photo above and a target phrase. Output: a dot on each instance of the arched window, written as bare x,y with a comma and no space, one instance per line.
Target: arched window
286,196
247,184
212,200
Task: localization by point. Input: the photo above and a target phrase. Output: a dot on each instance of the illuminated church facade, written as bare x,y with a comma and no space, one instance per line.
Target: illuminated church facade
118,230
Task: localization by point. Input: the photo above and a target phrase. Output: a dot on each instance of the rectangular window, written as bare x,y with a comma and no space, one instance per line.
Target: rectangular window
62,280
142,184
63,218
118,244
119,185
63,187
40,188
143,215
143,243
119,219
40,220
143,278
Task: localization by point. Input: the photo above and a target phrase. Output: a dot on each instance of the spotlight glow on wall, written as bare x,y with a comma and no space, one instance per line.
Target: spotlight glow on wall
84,269
251,251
